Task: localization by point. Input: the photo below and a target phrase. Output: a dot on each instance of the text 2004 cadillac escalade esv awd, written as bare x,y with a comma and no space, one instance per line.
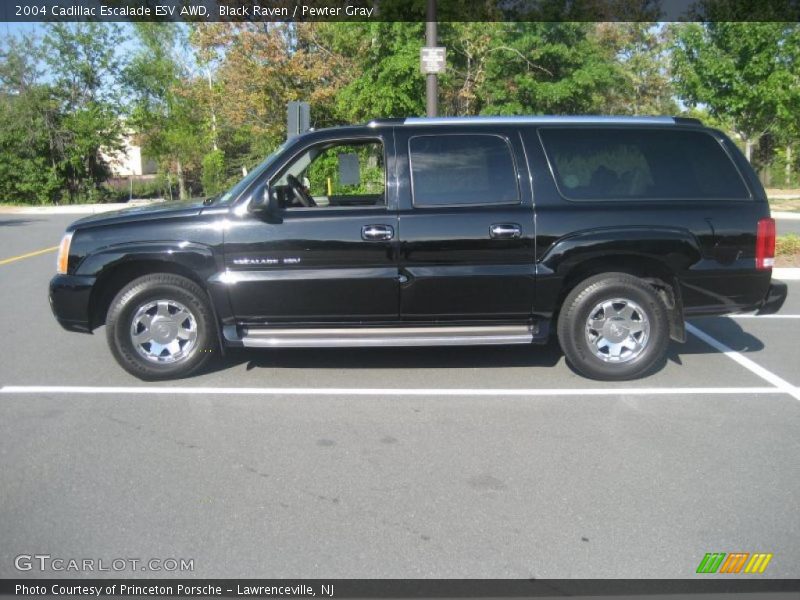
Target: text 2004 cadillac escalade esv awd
444,231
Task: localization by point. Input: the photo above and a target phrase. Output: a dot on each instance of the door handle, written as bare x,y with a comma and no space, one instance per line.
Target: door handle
505,231
377,233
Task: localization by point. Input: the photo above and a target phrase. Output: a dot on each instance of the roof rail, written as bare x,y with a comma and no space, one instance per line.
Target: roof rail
543,120
386,121
688,121
539,120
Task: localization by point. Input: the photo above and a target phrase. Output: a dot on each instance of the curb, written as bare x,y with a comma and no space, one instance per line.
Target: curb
75,209
788,216
786,273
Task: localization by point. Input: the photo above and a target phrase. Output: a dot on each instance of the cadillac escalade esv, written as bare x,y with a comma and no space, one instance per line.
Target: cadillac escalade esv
442,231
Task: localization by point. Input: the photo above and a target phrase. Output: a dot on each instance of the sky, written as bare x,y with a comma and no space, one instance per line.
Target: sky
19,28
16,29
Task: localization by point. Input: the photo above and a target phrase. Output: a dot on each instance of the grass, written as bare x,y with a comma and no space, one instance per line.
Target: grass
787,250
787,245
784,204
787,200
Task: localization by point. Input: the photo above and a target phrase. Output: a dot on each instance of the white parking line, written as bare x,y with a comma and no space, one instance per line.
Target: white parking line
785,215
764,316
786,273
748,364
253,391
781,386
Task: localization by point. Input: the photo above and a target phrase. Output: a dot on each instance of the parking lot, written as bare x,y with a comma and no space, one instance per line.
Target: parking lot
432,462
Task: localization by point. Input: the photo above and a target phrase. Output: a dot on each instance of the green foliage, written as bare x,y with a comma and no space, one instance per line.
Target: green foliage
389,81
546,68
640,57
781,168
213,172
51,132
323,173
83,64
169,127
27,171
205,100
123,190
742,72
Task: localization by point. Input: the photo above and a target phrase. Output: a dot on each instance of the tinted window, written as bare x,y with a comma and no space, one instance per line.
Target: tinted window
462,170
608,164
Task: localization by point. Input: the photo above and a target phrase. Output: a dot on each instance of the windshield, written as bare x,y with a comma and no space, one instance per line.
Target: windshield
237,189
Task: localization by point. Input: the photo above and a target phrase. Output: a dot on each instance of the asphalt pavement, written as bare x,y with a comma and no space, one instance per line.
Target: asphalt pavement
785,226
435,462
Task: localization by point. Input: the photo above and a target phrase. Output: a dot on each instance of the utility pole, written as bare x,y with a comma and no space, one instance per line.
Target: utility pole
432,81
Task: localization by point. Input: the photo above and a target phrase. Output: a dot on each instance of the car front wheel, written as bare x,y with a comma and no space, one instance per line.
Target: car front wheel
160,326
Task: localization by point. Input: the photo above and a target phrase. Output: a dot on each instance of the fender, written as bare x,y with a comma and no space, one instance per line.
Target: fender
677,249
660,253
199,258
191,257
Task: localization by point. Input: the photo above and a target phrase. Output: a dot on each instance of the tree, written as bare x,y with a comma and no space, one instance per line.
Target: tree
163,113
259,68
213,172
552,68
469,46
787,123
641,56
83,66
738,70
28,171
387,81
257,73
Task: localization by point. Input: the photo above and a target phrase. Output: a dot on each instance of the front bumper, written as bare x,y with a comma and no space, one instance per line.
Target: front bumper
69,300
776,296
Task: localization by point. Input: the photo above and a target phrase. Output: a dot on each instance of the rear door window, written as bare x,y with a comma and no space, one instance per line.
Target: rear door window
462,170
626,164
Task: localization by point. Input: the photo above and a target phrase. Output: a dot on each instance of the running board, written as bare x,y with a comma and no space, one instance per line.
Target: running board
388,336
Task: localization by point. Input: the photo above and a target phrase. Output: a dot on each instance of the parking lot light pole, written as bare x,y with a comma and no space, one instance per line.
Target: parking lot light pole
432,82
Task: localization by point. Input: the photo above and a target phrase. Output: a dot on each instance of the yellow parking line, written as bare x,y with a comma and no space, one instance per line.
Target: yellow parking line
5,261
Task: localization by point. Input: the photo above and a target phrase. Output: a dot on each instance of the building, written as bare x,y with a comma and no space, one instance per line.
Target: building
130,162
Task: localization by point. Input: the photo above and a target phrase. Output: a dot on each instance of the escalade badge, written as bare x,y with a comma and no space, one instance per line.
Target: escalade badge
266,261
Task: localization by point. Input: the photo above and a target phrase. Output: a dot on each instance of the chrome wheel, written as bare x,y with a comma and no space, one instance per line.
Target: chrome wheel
617,330
163,331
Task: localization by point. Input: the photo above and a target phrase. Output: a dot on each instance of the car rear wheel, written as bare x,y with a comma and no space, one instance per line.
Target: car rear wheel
160,326
614,326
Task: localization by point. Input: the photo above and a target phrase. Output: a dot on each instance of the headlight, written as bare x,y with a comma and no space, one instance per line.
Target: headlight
63,254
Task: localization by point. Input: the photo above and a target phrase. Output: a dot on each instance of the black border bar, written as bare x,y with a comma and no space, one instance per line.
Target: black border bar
393,588
260,11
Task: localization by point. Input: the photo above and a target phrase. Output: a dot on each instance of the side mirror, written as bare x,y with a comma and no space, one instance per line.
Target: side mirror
264,203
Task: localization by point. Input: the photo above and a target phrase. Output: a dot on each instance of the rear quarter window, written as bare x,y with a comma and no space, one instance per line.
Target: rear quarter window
648,164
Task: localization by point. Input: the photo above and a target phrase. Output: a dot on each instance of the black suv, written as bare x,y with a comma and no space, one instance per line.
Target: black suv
444,231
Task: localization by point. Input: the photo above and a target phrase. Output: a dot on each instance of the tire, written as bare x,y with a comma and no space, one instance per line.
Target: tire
613,327
161,326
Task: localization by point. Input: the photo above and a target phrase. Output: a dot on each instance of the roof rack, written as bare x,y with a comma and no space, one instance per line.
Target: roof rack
386,121
688,121
538,120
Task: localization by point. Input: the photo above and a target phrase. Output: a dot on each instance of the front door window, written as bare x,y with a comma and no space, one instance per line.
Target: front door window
334,175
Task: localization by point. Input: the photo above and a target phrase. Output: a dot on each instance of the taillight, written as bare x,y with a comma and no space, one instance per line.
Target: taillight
765,244
62,262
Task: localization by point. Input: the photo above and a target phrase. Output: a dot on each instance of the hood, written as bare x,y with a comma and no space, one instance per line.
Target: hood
149,212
